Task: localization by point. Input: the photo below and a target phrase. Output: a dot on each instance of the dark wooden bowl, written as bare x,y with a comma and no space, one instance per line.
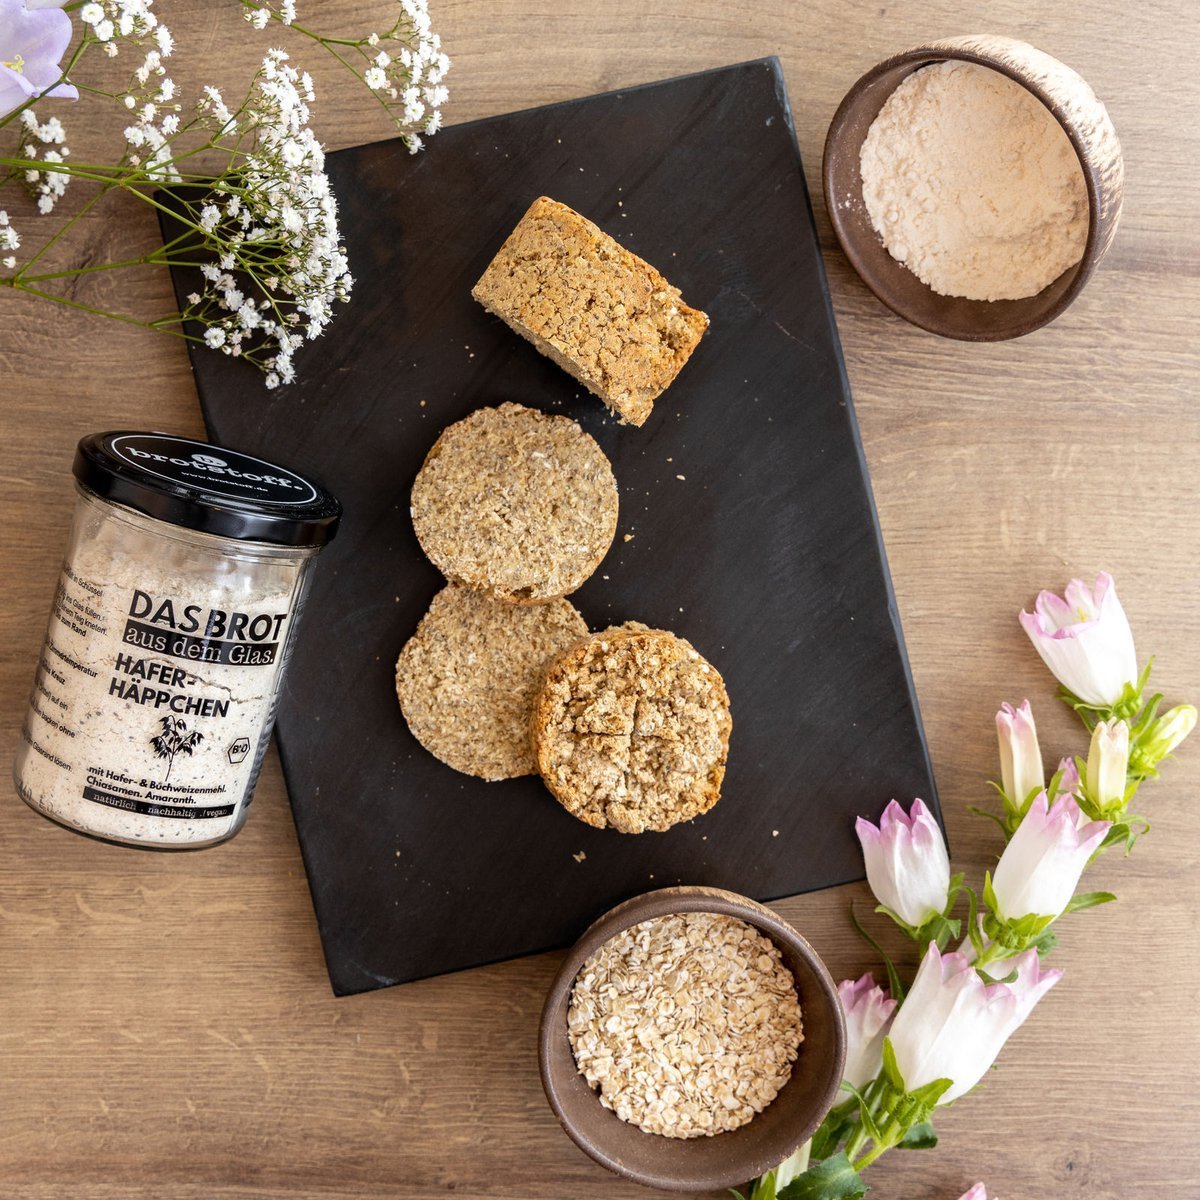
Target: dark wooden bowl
1077,110
727,1159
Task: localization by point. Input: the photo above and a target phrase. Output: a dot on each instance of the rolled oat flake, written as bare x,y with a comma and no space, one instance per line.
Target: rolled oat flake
169,633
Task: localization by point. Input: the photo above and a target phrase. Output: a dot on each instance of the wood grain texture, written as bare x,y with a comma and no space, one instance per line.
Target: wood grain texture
167,1028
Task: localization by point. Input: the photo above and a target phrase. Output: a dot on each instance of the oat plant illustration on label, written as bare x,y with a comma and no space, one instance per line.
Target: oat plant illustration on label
174,739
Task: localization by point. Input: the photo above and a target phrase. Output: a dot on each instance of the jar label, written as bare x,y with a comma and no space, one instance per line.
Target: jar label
151,711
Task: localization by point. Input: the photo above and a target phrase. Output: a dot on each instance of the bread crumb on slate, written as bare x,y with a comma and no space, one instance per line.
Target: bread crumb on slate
600,312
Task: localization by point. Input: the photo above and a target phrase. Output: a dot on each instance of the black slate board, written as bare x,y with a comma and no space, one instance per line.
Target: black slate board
766,554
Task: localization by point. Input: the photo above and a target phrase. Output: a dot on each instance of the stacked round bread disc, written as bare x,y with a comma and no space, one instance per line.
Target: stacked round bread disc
467,678
630,730
518,504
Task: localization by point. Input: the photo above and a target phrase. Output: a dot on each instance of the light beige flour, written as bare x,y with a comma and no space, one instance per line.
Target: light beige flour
973,185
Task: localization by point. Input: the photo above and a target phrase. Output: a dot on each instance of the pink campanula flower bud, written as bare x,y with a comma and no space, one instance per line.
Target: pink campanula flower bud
1162,737
1040,867
1085,639
908,866
868,1010
1021,771
952,1025
1068,781
977,1192
1107,770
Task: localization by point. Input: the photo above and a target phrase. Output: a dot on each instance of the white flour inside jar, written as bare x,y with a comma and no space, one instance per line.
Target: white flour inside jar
973,185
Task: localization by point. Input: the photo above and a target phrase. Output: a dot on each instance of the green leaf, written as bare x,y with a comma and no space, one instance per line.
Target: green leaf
983,812
890,1067
907,929
838,1122
919,1137
1019,933
940,929
1045,942
931,1093
1088,900
867,1119
1124,831
989,895
894,984
832,1179
1145,718
764,1188
973,921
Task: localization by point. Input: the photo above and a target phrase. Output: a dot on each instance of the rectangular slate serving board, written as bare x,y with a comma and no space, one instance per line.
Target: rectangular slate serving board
754,531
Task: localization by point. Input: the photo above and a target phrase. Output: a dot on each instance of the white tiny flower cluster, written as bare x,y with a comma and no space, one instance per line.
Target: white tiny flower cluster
260,18
113,21
150,92
10,239
280,265
37,142
411,75
403,67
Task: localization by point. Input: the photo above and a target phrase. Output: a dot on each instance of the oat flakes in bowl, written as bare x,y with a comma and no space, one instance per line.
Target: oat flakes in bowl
687,1024
804,1074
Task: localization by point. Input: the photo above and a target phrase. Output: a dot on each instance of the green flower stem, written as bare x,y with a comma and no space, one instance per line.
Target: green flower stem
124,176
859,1137
992,953
903,1112
892,1134
66,225
153,259
252,6
161,326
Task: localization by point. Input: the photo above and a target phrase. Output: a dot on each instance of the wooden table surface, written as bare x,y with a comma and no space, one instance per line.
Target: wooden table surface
166,1027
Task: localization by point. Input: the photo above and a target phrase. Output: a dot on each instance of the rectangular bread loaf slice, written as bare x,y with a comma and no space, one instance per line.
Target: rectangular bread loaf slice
601,313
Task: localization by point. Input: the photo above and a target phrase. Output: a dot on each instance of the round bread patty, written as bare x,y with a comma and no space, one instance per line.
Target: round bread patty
630,730
519,504
467,678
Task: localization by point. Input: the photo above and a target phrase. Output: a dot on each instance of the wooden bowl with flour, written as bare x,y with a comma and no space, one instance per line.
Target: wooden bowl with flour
914,213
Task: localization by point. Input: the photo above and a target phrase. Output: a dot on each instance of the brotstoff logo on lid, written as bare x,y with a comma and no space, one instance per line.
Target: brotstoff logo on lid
233,472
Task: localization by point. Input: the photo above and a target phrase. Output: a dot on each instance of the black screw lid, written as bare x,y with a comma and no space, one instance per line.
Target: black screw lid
208,488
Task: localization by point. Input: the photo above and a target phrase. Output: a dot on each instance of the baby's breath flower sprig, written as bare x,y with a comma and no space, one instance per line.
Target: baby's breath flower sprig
270,231
260,231
403,67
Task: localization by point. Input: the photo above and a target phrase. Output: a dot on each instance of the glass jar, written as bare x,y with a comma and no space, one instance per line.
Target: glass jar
169,634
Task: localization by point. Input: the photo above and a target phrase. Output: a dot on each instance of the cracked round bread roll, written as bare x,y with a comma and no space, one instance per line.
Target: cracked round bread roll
630,730
518,504
467,678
